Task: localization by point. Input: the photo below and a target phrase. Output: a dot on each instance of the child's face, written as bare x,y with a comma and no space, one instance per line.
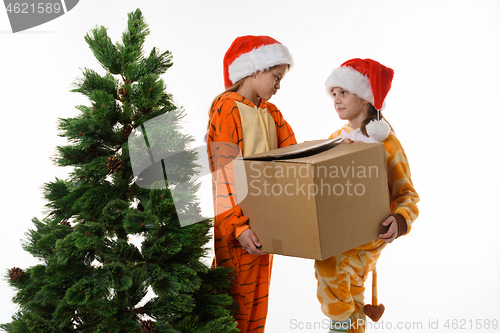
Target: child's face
266,84
349,106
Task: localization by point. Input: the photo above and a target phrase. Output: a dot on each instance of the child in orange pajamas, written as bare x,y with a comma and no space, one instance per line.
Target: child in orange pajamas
243,123
358,88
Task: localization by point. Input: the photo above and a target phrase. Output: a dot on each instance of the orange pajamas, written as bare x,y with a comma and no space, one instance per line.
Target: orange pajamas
238,128
341,278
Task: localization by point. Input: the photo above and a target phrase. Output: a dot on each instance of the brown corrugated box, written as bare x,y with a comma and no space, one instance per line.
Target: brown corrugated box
315,199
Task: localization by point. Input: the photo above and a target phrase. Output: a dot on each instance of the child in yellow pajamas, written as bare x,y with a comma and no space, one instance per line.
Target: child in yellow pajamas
358,88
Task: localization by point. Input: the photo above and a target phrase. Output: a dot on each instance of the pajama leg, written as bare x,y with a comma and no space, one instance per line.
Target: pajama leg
251,291
334,281
341,283
358,317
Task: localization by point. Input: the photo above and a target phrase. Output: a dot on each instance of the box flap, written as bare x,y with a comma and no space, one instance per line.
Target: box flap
320,156
304,149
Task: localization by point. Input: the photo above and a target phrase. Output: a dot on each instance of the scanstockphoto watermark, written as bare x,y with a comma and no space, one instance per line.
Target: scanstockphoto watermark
158,162
448,325
326,324
294,179
354,324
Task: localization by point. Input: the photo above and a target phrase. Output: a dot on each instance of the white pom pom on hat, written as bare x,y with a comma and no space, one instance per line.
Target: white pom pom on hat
378,130
369,80
250,54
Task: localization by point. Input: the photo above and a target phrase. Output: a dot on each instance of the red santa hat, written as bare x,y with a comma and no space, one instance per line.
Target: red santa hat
369,80
250,54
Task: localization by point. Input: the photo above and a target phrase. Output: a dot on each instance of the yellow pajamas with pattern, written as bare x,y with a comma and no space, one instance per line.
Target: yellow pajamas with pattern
341,278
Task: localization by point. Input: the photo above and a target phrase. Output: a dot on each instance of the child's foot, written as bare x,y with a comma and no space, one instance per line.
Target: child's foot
339,326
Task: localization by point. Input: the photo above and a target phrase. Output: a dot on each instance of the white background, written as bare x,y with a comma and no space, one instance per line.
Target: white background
443,106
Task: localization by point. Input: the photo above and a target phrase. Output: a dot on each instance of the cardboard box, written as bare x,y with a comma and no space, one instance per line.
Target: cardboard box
315,199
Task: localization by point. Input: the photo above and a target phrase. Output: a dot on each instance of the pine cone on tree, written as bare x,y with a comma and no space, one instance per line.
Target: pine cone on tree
113,163
16,274
127,130
148,326
123,91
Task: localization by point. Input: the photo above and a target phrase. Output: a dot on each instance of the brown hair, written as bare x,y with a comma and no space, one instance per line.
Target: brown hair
233,88
372,115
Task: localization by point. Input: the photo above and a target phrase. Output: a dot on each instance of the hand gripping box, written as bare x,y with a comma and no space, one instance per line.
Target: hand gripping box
315,199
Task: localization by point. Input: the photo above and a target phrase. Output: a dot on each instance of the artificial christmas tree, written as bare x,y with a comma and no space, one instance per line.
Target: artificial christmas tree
92,277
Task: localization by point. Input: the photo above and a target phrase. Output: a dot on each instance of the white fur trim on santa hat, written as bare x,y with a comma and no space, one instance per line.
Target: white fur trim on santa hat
259,59
351,80
378,130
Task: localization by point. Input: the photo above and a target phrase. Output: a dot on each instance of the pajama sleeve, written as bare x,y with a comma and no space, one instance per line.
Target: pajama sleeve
224,144
286,136
403,196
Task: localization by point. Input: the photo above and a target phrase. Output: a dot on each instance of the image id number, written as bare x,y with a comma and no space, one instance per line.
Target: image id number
462,324
40,8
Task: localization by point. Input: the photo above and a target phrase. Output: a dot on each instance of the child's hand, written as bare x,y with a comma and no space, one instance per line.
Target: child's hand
250,242
392,232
